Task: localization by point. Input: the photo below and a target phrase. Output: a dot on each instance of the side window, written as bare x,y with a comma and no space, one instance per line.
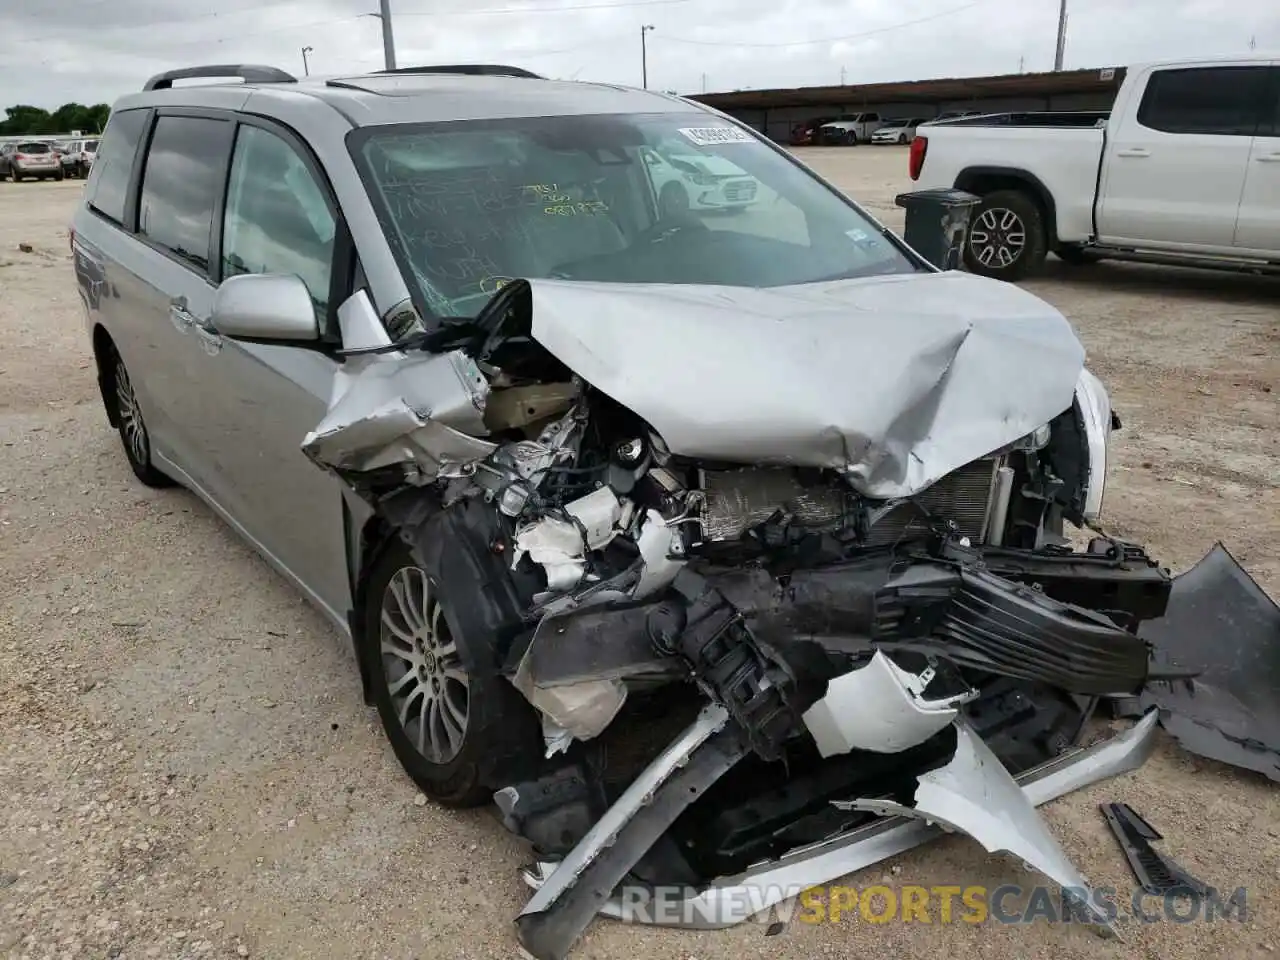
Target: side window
108,185
180,184
1270,126
1206,100
277,218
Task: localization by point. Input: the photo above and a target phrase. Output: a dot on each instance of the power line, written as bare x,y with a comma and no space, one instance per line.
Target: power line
806,43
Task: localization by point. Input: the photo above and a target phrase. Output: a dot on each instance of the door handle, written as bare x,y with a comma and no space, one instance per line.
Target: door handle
180,316
1269,158
210,339
1134,152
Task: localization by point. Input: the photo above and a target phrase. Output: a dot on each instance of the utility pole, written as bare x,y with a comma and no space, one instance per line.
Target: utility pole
1062,36
644,56
704,83
306,68
388,39
842,73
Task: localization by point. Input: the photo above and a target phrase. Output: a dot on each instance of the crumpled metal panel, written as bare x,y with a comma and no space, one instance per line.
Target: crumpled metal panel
421,410
1223,627
895,380
976,795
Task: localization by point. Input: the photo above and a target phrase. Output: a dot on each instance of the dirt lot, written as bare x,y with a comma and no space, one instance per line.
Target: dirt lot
186,768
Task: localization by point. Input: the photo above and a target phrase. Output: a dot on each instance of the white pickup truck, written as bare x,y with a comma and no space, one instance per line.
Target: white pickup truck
1185,169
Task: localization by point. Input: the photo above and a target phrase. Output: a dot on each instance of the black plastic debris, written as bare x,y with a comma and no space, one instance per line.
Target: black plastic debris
1156,873
1222,627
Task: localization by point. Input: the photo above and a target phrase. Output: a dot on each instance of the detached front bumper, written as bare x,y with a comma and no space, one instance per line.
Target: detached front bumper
732,900
748,638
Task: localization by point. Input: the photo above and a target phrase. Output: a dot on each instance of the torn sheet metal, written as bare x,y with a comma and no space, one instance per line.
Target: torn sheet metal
878,707
1223,627
423,411
562,908
976,795
733,900
894,380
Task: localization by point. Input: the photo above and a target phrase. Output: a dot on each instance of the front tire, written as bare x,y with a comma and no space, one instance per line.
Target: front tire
132,428
851,138
1007,238
458,728
902,139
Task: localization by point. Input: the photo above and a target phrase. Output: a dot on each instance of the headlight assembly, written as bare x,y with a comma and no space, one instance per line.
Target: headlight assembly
1094,408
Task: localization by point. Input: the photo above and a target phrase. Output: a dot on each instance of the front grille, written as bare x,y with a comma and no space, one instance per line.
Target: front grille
740,191
964,495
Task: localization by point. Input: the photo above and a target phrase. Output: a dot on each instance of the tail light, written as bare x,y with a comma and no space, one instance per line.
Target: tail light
915,161
20,156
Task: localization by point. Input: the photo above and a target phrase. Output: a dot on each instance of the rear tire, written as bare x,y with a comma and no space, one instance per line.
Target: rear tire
1007,238
132,428
464,727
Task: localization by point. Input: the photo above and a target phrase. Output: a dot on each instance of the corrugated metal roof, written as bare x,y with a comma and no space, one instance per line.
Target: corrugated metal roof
1102,80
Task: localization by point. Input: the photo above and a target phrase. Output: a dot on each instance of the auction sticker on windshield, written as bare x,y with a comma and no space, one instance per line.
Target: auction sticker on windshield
710,136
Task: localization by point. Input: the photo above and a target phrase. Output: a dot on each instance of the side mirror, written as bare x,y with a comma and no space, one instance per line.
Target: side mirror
264,306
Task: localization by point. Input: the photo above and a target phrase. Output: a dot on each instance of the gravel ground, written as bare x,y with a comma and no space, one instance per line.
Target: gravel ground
187,769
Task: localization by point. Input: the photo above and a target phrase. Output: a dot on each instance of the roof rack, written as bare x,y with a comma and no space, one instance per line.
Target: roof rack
248,72
474,69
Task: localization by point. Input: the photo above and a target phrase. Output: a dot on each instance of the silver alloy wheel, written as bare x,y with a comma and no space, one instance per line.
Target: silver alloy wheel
135,433
424,673
998,238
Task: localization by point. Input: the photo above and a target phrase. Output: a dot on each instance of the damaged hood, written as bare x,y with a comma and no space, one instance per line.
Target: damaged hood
895,381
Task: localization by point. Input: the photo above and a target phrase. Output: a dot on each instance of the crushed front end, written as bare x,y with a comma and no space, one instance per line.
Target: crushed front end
757,675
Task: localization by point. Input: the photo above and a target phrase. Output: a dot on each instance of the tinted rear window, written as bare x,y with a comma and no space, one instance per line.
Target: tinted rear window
91,146
109,185
1209,100
185,169
33,148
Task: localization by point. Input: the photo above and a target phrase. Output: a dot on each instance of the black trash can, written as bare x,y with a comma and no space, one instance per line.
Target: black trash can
937,224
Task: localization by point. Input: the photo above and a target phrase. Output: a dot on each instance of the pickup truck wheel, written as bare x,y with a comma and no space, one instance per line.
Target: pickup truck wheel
851,138
1007,236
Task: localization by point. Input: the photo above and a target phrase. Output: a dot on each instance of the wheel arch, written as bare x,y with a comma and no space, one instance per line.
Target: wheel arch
985,179
104,350
366,542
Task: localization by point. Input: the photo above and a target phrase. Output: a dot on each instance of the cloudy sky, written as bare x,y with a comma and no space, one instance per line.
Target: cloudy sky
53,51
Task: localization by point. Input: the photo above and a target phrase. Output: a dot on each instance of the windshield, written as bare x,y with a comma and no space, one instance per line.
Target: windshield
652,198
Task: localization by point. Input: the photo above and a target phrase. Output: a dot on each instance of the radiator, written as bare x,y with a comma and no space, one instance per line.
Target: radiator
737,500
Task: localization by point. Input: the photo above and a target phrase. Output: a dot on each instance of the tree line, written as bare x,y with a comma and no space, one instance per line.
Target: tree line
22,120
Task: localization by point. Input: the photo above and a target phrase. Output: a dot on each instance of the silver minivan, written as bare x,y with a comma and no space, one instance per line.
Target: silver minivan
663,526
